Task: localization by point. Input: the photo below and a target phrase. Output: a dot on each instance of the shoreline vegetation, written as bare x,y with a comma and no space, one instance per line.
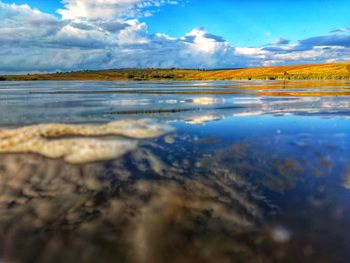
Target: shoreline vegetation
332,71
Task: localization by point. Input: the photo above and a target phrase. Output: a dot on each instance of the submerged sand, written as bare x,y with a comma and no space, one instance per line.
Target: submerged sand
80,143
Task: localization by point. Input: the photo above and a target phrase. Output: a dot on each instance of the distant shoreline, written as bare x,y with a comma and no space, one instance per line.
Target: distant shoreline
332,71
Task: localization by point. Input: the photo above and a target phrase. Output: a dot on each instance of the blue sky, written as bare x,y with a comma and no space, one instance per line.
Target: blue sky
250,23
164,33
254,22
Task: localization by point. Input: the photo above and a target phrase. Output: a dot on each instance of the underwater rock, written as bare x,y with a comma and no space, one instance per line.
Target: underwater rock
80,143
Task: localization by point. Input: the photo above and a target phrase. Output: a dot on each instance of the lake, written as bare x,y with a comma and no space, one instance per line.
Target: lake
217,171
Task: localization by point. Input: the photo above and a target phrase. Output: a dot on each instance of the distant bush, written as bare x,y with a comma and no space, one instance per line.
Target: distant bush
170,76
155,76
129,76
2,78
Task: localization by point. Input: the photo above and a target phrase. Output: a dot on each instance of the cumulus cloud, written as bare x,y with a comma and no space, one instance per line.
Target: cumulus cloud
333,40
107,10
110,34
101,39
281,41
341,30
23,25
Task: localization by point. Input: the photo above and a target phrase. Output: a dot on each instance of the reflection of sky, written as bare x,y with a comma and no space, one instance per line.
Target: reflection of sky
232,159
335,130
33,102
215,183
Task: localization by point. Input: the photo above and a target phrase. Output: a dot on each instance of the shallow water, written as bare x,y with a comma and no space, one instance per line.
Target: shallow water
255,171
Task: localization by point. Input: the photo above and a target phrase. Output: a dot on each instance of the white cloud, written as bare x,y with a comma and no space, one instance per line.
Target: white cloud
341,30
101,40
281,41
21,24
108,34
249,51
108,9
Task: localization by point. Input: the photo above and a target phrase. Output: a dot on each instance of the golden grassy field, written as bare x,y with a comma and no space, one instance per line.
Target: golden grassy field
293,72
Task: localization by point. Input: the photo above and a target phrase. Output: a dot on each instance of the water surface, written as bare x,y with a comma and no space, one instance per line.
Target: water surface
251,171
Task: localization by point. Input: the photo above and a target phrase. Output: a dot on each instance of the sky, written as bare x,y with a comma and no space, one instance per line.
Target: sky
66,35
